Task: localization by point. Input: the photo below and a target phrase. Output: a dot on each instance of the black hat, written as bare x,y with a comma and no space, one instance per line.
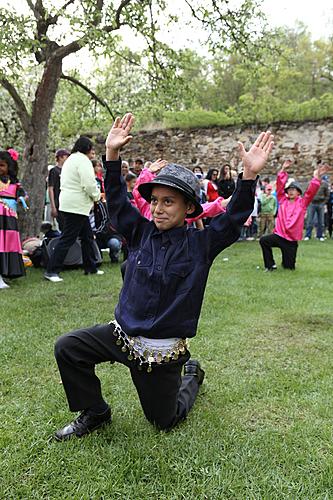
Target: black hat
176,177
293,185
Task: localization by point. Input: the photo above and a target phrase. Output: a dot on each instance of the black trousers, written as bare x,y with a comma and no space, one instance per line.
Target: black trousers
288,249
166,397
74,226
60,220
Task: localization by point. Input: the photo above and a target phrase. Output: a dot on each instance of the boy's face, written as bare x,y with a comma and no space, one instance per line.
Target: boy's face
292,193
169,208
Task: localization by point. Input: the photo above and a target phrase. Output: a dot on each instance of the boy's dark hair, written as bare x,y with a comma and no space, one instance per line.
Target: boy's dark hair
130,176
12,166
61,152
83,145
139,161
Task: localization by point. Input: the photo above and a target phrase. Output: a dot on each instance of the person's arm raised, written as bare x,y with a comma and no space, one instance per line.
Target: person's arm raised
118,136
255,159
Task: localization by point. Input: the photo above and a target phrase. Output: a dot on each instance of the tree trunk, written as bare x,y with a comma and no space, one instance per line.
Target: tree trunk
35,158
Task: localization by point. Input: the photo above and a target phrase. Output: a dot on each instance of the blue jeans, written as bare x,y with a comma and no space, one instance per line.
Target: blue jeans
316,211
114,246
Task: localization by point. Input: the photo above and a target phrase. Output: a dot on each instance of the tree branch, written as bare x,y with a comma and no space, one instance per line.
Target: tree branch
90,92
122,5
20,106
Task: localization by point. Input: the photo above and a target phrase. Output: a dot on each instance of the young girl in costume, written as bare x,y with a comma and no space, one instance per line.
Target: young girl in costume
11,191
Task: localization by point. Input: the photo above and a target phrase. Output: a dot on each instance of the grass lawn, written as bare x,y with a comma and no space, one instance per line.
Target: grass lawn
262,424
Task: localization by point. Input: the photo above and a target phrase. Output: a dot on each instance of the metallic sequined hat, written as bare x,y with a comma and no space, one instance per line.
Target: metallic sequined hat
176,177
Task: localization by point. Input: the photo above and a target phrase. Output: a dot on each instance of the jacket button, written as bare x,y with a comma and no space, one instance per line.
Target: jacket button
159,268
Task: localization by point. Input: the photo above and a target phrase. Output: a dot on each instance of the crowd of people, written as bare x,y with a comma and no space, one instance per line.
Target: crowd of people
76,208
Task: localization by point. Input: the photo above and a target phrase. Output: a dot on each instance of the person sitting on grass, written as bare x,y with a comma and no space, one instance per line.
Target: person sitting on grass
161,298
290,218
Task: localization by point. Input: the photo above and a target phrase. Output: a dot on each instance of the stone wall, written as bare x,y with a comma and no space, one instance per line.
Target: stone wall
304,143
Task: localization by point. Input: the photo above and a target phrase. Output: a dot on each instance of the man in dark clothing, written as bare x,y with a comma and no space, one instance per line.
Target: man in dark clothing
53,183
160,302
316,211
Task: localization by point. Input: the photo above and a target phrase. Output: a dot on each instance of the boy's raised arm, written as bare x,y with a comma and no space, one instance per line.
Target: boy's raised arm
123,215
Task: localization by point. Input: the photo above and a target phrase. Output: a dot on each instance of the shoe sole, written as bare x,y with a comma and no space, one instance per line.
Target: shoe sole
48,278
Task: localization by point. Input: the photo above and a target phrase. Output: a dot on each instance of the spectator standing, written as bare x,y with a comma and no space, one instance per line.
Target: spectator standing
78,191
330,212
211,187
98,169
124,168
316,211
130,180
268,208
226,184
53,183
137,167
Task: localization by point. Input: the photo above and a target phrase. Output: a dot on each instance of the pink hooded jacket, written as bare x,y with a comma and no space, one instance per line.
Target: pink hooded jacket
290,219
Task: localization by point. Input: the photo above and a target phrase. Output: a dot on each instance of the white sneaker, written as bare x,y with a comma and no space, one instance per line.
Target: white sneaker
321,239
99,272
3,284
306,238
55,278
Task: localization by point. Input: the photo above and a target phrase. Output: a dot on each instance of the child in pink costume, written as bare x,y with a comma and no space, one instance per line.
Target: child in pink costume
290,219
210,209
11,191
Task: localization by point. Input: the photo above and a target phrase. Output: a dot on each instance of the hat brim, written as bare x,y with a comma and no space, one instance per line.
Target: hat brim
293,187
146,189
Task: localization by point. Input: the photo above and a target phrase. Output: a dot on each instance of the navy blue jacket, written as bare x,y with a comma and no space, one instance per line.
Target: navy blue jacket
167,271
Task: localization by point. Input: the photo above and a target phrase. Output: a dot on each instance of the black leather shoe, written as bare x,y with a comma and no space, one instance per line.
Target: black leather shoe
192,367
85,423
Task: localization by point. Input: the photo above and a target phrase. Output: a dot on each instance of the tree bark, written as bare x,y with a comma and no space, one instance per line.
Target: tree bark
35,157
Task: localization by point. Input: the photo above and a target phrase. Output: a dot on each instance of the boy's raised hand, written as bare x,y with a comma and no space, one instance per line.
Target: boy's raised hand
255,159
118,136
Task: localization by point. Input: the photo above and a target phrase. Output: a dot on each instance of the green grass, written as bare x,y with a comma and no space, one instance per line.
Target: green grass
261,426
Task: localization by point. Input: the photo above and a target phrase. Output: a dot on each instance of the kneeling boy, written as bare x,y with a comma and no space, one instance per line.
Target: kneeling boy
161,298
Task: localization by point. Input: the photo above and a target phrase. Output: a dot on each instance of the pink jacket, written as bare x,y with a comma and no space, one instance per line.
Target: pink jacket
290,219
209,209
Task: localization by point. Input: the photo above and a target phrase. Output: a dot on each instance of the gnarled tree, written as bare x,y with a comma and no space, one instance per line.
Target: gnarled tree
46,34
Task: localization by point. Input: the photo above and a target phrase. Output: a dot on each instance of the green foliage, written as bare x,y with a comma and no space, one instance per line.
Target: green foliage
284,85
261,426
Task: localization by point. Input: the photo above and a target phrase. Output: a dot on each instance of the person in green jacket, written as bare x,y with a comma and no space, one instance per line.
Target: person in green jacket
78,192
268,211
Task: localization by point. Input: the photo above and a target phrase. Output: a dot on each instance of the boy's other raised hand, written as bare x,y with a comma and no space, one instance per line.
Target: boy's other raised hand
255,159
118,136
157,166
